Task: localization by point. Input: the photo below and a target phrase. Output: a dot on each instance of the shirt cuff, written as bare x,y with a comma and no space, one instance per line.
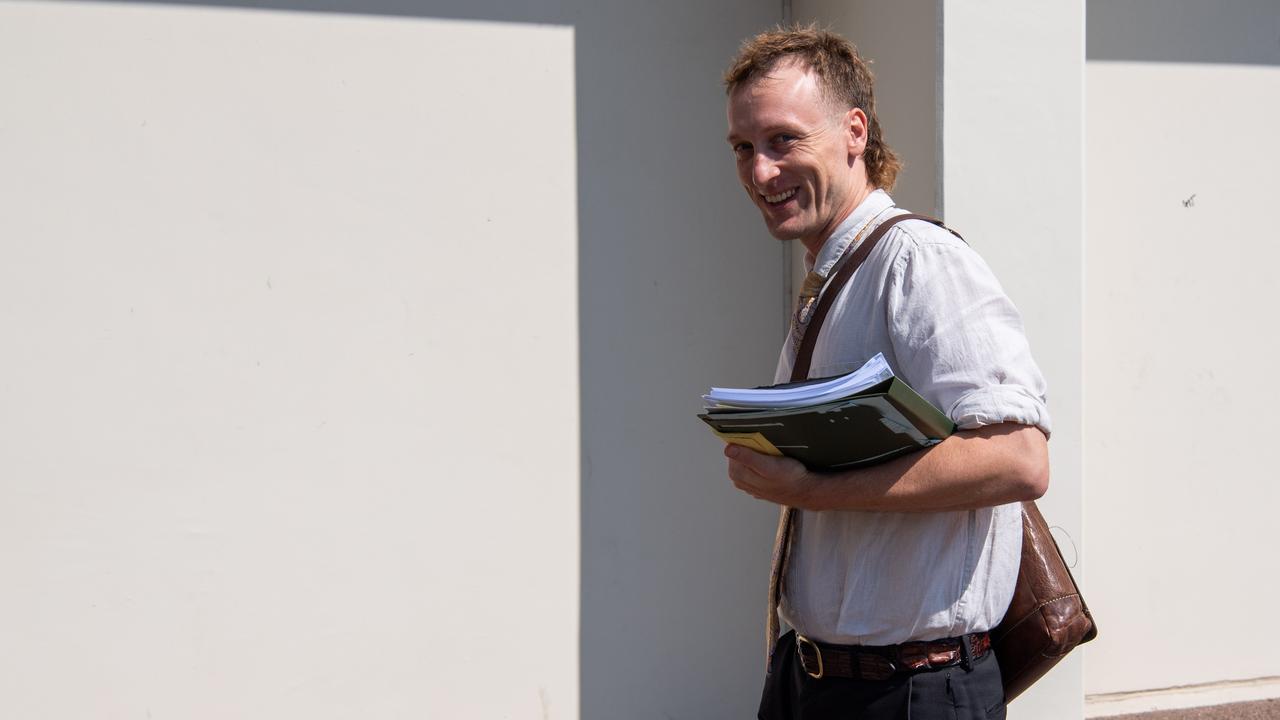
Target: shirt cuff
1000,404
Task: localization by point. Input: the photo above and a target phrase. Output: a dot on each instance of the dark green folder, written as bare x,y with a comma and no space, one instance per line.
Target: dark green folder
883,422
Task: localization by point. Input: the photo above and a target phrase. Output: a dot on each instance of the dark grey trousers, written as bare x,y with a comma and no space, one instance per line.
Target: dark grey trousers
950,693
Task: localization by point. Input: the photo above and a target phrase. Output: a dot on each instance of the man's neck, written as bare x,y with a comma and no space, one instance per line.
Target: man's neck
813,244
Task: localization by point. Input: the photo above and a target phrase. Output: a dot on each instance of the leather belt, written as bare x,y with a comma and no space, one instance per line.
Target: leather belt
881,662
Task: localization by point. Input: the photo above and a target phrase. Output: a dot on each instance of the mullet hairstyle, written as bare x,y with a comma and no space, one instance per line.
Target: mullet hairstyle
844,76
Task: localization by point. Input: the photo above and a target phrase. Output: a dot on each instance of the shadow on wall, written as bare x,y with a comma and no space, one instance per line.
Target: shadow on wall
1184,31
484,10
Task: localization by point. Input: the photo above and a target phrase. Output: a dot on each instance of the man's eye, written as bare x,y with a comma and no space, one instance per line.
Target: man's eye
742,149
783,139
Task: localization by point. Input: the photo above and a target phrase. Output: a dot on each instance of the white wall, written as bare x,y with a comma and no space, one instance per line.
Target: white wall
1180,333
190,532
1181,346
271,447
1013,76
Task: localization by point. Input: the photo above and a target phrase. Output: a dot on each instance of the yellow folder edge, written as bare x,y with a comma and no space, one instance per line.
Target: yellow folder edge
755,441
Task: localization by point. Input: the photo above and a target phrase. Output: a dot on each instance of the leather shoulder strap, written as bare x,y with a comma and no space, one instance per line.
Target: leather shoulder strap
840,274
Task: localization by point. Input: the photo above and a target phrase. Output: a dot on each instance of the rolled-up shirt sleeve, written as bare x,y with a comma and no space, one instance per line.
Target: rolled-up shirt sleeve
959,340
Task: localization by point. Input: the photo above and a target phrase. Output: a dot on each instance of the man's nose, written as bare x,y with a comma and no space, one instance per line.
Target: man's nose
763,170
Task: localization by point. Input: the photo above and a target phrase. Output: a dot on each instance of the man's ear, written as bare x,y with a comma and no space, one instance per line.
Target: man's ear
856,130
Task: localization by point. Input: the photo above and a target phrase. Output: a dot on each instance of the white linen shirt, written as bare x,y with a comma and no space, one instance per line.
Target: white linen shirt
928,302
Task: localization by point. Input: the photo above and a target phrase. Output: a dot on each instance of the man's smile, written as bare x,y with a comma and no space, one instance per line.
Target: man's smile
780,197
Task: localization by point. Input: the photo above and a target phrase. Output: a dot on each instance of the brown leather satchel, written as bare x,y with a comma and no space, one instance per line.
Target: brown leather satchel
1047,617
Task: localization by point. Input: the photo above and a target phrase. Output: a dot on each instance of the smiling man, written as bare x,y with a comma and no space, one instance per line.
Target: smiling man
891,575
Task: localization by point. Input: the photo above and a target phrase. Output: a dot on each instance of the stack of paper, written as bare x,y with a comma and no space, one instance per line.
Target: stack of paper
812,392
862,418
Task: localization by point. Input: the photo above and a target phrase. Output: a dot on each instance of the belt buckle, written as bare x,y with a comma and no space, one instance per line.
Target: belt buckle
801,642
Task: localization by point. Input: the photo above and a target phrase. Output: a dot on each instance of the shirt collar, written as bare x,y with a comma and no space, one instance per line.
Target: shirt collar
845,233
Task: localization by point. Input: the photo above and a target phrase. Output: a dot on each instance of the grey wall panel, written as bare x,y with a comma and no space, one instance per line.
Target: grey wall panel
1186,31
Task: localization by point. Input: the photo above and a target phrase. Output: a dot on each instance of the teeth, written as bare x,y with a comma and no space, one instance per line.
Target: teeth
780,196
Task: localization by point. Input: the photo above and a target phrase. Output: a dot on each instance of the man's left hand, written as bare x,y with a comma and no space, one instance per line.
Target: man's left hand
781,480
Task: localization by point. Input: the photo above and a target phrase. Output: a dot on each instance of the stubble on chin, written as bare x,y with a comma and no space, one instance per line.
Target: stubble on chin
778,232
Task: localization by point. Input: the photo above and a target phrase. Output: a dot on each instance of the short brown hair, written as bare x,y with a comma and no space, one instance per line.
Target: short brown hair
844,76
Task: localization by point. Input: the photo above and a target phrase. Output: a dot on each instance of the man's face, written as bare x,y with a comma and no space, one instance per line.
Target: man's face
796,155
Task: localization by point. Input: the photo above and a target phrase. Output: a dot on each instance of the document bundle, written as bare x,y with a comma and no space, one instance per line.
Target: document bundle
862,418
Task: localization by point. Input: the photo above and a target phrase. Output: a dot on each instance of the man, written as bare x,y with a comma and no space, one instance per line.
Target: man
925,547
